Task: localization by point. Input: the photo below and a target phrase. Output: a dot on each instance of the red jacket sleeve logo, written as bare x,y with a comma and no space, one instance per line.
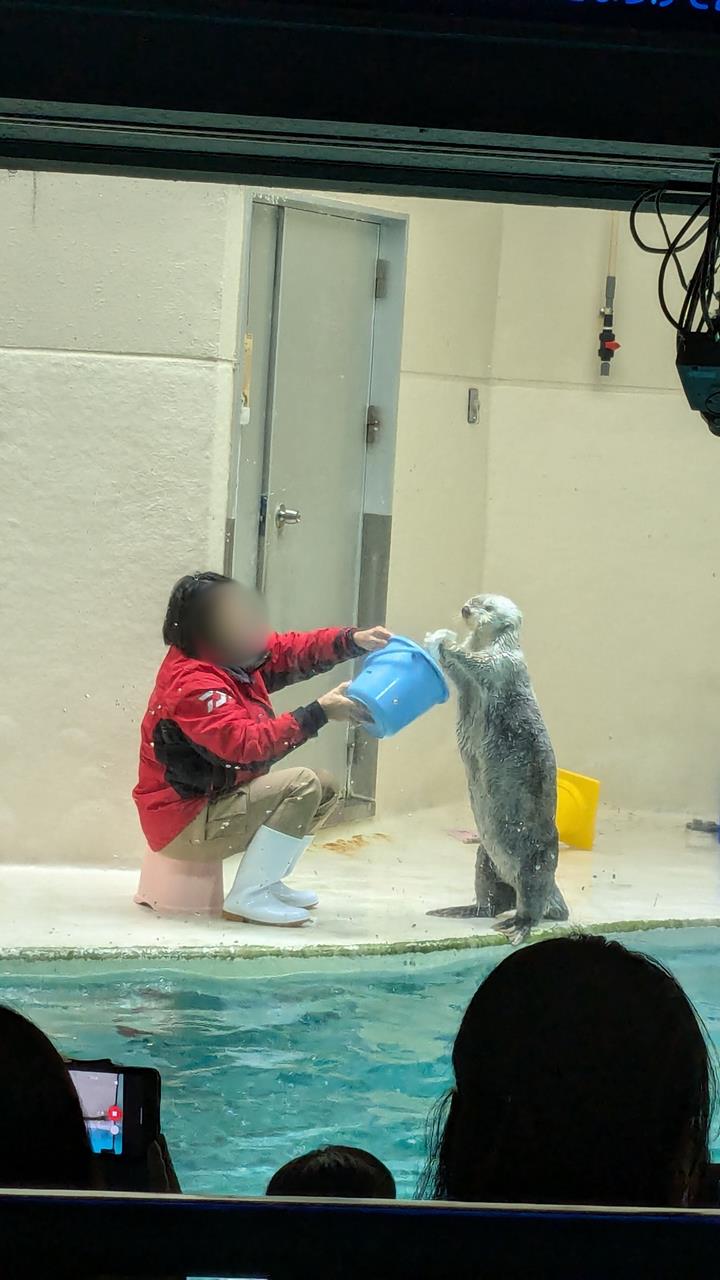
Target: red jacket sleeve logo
214,698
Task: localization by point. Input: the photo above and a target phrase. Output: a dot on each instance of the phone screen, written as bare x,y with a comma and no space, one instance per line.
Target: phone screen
102,1098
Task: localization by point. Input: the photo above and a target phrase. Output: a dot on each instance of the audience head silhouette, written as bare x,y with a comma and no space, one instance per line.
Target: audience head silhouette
341,1172
43,1140
582,1076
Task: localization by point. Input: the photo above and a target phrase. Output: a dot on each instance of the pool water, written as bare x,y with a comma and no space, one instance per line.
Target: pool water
263,1060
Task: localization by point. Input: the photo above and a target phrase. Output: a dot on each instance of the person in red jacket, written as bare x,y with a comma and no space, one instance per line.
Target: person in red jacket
210,736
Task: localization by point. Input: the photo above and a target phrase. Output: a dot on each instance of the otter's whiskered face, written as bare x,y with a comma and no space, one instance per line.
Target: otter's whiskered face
491,616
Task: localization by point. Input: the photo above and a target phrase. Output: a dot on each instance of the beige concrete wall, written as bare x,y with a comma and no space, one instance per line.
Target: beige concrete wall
601,515
441,462
592,503
117,342
117,333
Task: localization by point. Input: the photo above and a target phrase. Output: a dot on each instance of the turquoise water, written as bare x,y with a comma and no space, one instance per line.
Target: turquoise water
261,1061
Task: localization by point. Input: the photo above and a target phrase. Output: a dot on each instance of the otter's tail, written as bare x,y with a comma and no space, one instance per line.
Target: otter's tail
460,913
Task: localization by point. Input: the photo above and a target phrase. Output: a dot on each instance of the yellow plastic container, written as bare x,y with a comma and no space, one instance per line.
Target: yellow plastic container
577,806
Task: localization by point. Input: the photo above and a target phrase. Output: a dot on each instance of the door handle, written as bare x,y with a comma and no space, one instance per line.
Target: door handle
286,515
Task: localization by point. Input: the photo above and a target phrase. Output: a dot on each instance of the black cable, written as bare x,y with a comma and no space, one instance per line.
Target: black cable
709,256
699,311
652,194
669,254
668,241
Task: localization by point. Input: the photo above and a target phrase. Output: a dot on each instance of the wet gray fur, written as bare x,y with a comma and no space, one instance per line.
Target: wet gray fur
510,766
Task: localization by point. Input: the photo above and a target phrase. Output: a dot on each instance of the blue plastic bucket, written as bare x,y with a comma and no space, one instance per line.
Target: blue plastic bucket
396,685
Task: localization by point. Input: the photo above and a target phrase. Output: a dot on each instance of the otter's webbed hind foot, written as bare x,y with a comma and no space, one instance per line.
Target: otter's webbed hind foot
459,913
515,927
488,907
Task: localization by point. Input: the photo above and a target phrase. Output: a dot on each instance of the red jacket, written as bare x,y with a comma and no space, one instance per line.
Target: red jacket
208,730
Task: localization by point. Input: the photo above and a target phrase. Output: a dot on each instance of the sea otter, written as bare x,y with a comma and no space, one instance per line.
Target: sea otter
510,766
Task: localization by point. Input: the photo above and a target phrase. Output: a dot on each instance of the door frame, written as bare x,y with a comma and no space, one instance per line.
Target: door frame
384,391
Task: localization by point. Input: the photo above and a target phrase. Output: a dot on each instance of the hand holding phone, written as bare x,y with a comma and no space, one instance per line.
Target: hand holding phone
121,1108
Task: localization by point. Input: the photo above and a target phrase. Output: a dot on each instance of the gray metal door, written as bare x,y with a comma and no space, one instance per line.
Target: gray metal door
318,379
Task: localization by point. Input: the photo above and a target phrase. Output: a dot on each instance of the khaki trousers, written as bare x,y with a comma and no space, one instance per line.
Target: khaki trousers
294,801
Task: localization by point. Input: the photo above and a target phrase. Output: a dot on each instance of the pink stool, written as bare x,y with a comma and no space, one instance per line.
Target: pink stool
174,886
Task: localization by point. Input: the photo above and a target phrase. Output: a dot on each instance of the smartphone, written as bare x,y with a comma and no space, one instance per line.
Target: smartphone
120,1106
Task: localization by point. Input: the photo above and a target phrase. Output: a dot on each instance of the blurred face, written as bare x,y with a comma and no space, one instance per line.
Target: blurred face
238,625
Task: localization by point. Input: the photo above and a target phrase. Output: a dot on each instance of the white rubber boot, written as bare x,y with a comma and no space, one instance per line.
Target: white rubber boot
265,860
295,897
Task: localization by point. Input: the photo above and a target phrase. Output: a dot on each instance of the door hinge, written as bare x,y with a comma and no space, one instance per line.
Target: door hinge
381,275
372,424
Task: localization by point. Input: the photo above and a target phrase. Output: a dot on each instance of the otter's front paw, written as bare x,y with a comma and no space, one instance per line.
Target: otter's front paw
435,639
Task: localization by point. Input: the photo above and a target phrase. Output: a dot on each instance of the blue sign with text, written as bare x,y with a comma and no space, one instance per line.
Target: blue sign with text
703,5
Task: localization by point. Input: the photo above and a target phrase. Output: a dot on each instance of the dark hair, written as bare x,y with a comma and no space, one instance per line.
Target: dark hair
582,1076
43,1140
342,1172
186,622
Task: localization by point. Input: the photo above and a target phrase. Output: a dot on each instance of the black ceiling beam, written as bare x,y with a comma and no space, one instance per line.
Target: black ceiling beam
591,103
